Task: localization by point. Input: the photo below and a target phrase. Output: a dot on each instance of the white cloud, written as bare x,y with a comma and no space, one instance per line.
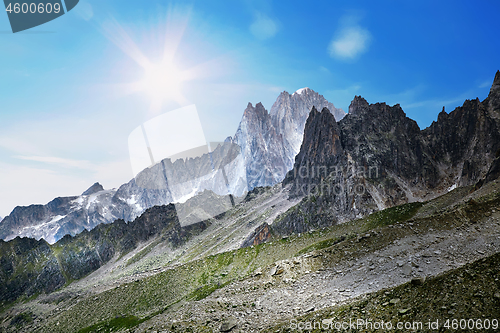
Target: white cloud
349,42
437,103
350,39
263,27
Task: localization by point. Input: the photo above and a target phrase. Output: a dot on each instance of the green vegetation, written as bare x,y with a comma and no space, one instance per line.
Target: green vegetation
322,245
141,254
198,279
22,319
205,291
392,215
112,325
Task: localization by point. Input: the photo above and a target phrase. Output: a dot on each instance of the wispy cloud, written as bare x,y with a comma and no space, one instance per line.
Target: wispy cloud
263,27
436,103
324,70
350,40
64,162
412,98
485,84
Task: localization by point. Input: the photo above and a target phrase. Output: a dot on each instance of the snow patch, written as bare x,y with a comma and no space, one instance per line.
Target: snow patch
301,90
46,224
186,197
57,218
78,201
92,199
452,187
132,201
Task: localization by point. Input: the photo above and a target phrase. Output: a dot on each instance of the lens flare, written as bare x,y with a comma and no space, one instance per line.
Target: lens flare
162,81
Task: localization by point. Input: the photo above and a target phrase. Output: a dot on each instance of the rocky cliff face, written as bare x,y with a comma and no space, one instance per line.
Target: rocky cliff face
463,144
289,114
262,147
377,158
493,100
61,216
270,141
320,149
27,266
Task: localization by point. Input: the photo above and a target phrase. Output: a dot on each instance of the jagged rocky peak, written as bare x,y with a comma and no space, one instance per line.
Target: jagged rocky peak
321,147
495,87
442,115
259,110
289,114
494,96
358,105
299,104
268,152
93,189
321,135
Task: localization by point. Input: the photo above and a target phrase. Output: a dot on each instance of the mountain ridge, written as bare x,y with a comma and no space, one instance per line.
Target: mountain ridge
409,164
420,195
266,157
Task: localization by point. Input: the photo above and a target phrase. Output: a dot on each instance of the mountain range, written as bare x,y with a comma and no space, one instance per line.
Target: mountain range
268,143
373,207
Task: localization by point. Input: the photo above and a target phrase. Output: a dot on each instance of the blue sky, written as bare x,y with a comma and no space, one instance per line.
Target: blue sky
68,88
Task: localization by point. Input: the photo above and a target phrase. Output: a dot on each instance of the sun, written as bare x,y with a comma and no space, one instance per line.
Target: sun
162,81
166,78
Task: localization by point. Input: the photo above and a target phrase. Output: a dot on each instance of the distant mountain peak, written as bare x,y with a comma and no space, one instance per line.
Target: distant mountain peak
93,189
301,90
257,113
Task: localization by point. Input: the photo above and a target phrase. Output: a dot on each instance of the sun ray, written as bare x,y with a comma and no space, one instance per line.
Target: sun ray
162,78
117,34
174,32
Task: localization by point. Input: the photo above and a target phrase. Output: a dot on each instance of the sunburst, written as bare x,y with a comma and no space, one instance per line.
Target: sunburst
162,80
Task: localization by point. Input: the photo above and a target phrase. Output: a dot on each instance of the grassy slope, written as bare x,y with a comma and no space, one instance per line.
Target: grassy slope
195,280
